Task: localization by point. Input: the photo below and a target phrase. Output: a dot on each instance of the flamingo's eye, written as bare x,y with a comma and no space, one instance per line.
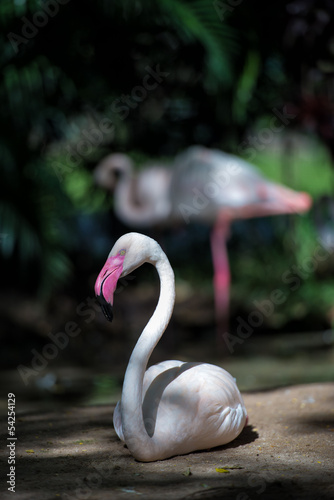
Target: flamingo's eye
122,252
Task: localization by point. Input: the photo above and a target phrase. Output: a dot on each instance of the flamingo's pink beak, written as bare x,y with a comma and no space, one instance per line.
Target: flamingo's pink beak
106,283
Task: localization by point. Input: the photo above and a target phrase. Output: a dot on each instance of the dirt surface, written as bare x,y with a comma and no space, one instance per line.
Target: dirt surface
286,451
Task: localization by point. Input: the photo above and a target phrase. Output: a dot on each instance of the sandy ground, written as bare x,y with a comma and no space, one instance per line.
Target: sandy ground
286,451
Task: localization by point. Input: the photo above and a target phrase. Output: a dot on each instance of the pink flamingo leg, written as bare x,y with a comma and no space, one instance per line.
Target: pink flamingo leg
221,279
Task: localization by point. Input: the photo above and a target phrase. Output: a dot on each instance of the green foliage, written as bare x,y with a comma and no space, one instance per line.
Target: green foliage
190,22
107,388
30,194
296,238
195,21
245,86
294,159
45,181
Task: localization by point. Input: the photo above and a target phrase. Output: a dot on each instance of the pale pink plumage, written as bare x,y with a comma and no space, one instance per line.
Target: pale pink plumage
204,393
174,407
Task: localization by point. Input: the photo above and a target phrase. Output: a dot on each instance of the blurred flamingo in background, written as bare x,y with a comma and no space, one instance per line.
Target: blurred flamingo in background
202,184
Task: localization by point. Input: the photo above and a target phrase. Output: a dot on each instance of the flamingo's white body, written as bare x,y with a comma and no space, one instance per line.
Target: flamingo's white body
174,407
203,184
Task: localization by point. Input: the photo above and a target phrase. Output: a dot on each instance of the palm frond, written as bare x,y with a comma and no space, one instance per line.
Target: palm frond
199,21
193,22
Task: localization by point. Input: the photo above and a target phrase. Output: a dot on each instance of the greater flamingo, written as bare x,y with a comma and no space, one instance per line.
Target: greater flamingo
202,184
140,201
174,407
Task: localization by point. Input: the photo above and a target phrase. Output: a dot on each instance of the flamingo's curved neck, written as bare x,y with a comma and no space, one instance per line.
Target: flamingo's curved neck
135,434
128,210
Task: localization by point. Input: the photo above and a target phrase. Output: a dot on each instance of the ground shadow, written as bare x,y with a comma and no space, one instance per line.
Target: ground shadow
276,490
311,424
248,435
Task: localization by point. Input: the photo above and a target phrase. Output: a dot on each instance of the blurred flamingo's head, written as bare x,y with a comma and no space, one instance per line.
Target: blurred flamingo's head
294,201
110,169
283,200
305,202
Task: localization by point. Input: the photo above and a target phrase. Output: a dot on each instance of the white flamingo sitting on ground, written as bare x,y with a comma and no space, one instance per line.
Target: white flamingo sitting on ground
174,407
202,184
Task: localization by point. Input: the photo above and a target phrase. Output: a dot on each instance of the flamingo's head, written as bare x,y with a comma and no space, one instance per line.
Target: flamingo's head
110,169
129,252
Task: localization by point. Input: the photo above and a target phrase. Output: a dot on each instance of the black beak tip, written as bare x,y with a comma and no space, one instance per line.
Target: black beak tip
106,307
